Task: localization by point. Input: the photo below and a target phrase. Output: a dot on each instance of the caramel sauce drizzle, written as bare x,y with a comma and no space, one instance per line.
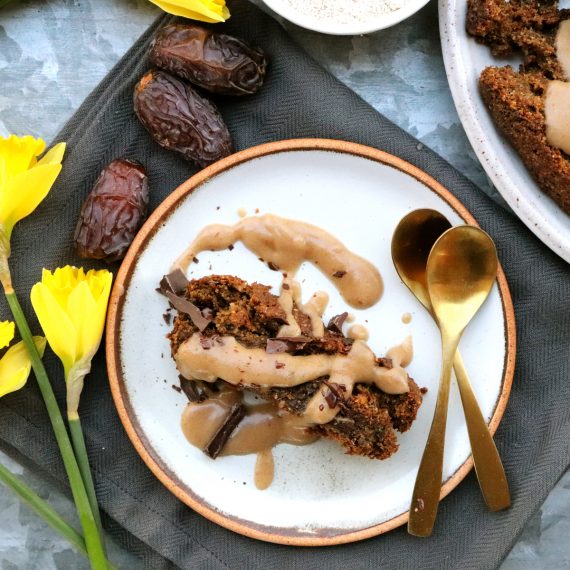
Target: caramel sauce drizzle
265,426
557,115
228,360
357,332
314,308
286,244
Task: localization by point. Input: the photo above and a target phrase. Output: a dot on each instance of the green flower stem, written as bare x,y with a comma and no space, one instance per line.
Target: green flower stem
42,508
91,532
82,459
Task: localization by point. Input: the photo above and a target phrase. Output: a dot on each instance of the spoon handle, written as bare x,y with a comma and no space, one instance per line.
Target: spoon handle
425,499
488,466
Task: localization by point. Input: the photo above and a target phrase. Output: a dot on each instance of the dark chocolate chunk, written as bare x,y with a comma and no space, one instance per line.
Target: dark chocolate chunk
220,438
175,282
331,399
286,286
177,388
167,317
193,390
231,246
339,274
279,365
272,266
333,395
286,344
185,306
423,390
335,324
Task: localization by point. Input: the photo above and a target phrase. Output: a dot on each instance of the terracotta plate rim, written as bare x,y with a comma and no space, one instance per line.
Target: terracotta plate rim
128,419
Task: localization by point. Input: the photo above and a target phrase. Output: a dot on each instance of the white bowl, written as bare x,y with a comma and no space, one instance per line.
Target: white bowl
284,9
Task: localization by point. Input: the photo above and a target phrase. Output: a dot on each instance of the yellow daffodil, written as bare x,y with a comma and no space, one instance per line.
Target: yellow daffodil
204,10
24,182
71,306
15,365
26,177
7,329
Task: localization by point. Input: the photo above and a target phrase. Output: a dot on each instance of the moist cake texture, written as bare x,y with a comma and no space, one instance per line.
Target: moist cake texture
516,98
367,421
525,25
516,102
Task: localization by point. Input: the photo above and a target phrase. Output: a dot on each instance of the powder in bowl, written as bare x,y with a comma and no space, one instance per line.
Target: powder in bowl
345,11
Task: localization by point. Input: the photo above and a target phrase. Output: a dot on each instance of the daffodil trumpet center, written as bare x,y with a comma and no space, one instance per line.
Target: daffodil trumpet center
5,275
74,382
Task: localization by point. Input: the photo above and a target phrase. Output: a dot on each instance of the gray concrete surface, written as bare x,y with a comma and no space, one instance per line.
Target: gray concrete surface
52,53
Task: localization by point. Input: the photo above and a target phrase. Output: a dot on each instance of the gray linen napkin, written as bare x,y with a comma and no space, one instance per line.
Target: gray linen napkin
299,99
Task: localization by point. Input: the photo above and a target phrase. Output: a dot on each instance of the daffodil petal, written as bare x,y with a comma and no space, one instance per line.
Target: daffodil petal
82,309
94,297
54,155
184,12
200,6
100,284
62,282
105,280
209,8
7,330
3,175
56,324
15,366
24,193
71,306
13,380
18,153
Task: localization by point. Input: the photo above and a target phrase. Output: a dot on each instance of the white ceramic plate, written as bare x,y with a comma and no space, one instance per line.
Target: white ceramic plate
464,60
319,495
326,26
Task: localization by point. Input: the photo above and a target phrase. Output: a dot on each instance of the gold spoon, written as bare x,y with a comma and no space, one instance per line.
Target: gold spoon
461,269
411,244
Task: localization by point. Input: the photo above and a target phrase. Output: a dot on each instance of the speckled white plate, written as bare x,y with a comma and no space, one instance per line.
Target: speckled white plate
319,496
464,60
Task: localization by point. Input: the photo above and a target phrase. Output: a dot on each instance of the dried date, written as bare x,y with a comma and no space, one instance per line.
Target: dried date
113,211
215,62
179,119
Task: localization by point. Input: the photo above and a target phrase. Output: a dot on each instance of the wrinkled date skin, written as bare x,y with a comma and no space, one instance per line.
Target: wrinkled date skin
113,212
179,119
215,62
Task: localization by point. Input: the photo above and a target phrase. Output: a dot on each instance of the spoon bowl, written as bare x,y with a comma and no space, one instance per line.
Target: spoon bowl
412,241
460,272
